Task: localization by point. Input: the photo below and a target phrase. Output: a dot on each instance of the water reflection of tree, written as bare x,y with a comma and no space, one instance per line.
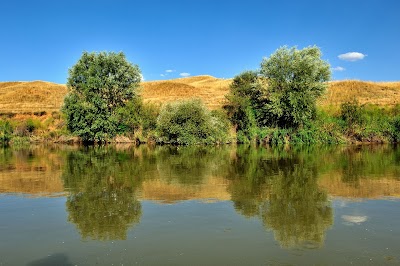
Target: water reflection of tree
102,183
281,188
297,210
247,175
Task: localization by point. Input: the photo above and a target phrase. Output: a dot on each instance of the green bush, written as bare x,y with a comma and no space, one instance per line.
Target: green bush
6,131
189,122
395,129
352,113
32,125
136,116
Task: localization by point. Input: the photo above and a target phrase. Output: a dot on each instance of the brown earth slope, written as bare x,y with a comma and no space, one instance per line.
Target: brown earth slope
37,96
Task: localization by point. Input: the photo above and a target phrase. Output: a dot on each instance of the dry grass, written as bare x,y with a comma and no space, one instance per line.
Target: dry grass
379,93
210,90
34,96
37,96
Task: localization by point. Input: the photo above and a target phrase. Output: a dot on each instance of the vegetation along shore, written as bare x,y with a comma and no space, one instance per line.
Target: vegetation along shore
290,99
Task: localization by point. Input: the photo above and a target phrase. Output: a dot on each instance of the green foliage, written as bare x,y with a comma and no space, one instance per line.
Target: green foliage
367,123
129,119
395,129
6,131
135,116
296,78
99,84
189,122
352,113
32,124
246,102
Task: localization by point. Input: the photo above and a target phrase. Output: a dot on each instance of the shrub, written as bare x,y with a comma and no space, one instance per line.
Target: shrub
189,122
395,129
6,131
352,113
32,125
135,116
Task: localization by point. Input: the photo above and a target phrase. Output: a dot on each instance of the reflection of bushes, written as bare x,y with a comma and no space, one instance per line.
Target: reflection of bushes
190,164
102,184
360,162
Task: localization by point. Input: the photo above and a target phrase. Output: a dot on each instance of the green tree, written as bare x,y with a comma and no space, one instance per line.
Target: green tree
246,102
99,83
296,78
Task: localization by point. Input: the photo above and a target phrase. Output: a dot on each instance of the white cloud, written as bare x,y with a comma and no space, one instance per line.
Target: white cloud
184,74
339,68
162,75
142,77
352,56
170,70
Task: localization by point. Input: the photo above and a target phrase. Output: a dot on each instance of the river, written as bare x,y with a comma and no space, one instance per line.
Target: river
207,205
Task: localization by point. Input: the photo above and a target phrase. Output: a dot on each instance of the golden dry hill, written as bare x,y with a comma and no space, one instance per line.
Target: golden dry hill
39,96
365,92
32,96
209,89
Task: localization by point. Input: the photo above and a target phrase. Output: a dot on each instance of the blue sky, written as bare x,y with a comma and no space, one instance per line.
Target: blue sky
40,40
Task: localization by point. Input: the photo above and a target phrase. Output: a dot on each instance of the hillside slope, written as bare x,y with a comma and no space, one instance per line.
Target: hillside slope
33,96
210,90
379,93
37,96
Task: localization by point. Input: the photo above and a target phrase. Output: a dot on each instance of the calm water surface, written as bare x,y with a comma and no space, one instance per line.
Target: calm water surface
227,205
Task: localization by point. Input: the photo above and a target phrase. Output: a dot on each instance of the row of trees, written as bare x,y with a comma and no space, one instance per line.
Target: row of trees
103,99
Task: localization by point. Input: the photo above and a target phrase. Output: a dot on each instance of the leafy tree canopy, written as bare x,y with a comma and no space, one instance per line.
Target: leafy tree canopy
296,78
98,84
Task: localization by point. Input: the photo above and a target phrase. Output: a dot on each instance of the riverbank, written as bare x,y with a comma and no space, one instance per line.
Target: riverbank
361,124
30,113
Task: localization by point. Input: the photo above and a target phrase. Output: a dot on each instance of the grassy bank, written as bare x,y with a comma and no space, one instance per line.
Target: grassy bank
29,112
352,123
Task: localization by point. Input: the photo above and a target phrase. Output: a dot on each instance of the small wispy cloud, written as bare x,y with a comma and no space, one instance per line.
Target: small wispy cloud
339,69
142,77
170,70
352,56
184,74
162,75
